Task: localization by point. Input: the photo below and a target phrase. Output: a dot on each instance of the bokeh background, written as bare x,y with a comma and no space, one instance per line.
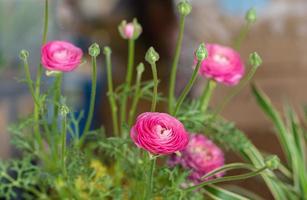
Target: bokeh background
279,36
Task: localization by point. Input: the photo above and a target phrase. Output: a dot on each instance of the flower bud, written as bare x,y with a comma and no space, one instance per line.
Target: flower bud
255,60
130,30
24,54
64,110
107,50
201,52
151,56
94,50
272,162
140,68
251,15
184,8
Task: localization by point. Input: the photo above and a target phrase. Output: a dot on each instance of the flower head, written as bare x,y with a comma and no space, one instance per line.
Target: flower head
201,156
159,133
61,56
223,64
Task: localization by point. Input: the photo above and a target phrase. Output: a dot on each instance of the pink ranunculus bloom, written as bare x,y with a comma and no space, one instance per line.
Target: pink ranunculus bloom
129,30
201,156
61,56
223,65
159,133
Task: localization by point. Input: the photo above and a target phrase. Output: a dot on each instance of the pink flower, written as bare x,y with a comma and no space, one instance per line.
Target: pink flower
61,56
223,64
201,156
159,133
129,30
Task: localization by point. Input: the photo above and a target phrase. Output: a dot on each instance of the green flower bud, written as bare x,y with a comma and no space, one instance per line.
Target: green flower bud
151,56
24,54
272,162
140,68
94,50
251,15
107,50
255,60
64,110
184,8
201,52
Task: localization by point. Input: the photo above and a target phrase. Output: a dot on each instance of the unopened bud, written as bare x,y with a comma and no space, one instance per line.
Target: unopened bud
184,8
140,68
24,54
130,30
151,56
107,50
201,52
94,50
251,15
272,162
255,60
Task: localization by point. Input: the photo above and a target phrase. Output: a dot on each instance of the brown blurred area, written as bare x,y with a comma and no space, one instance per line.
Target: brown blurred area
279,36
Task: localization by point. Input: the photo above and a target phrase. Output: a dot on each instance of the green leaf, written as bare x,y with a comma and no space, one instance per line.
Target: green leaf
221,193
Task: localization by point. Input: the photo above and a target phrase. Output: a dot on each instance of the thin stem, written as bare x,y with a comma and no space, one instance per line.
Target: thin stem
136,97
56,100
227,179
205,98
150,179
187,88
171,94
39,77
242,35
92,99
129,74
111,95
155,89
29,79
64,128
236,90
229,167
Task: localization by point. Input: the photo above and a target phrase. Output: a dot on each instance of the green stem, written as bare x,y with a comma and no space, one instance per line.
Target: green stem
187,88
242,35
29,80
236,90
171,94
205,97
227,179
229,167
136,98
92,99
111,95
56,100
155,89
39,77
129,74
150,184
63,154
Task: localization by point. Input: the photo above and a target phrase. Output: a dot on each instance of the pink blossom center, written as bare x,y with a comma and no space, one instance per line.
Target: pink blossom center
60,54
222,59
163,133
200,150
129,29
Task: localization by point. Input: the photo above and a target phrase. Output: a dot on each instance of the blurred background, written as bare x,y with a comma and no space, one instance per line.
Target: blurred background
279,35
